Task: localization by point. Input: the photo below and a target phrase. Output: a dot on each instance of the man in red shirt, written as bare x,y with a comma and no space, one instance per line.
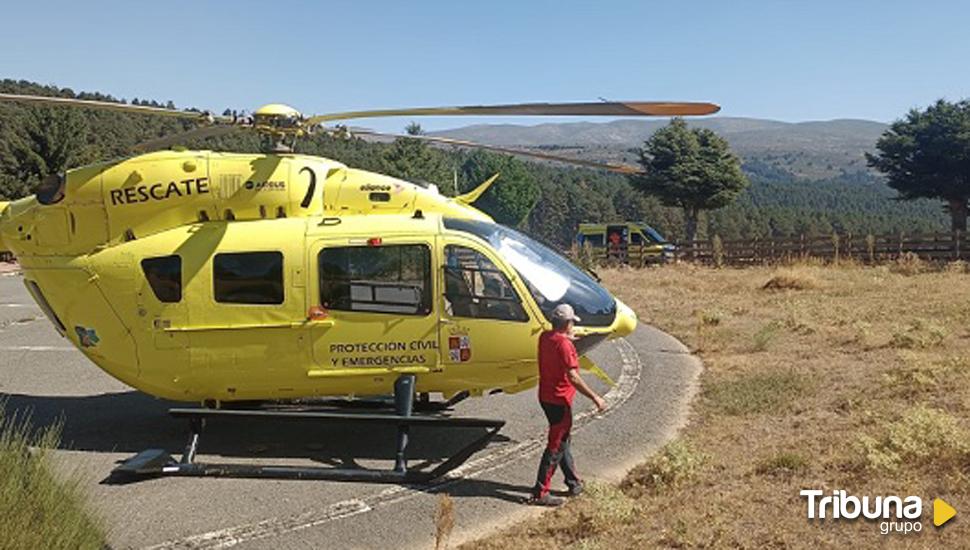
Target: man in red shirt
558,382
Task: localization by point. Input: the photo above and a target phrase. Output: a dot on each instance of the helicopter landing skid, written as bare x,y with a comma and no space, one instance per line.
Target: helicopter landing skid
158,462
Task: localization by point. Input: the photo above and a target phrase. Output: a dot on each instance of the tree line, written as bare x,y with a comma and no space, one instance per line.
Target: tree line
546,200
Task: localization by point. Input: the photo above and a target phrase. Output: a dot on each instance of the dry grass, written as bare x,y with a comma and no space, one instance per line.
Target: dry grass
39,509
444,521
840,377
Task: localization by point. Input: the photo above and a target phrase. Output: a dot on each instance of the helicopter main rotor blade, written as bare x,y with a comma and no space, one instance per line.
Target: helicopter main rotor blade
604,108
182,137
618,168
106,105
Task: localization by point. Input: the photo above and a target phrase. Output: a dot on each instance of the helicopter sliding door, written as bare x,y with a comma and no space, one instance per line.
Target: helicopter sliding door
376,308
487,335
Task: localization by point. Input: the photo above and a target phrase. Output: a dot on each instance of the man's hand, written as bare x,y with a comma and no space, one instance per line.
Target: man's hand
600,403
584,389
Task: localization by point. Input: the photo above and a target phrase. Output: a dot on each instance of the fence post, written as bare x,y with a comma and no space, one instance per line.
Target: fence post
717,250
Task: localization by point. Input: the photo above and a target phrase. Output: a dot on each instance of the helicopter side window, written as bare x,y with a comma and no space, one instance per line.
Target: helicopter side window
377,279
248,277
164,275
476,288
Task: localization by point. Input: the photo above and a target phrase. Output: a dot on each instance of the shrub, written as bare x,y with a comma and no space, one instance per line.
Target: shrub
791,280
922,435
917,335
603,507
676,463
764,336
783,464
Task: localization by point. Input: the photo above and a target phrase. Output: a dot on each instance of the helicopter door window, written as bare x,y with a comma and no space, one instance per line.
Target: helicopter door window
377,279
476,288
248,277
164,275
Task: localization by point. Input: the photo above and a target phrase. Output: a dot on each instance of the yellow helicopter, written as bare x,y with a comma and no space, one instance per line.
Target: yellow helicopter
238,279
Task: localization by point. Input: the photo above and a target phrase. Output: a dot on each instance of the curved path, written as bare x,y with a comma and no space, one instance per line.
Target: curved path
104,421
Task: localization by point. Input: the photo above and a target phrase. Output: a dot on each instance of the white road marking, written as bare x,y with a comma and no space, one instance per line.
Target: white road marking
36,348
17,305
225,538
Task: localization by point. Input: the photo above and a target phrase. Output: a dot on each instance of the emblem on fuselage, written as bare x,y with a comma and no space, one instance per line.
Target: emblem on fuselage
87,336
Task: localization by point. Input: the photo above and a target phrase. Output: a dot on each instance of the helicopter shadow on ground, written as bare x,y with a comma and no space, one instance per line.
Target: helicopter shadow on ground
132,422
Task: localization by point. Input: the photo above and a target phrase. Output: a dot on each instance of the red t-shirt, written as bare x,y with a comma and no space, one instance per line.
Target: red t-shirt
557,355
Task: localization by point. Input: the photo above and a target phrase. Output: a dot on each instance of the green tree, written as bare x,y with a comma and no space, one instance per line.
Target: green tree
46,141
413,160
689,168
510,199
927,155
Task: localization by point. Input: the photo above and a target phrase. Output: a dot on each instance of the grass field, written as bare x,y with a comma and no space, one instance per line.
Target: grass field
816,377
38,508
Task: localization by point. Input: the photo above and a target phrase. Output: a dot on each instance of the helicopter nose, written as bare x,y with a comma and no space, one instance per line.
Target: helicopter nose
626,320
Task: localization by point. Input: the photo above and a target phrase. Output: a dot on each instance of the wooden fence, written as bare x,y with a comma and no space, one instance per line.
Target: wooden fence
866,248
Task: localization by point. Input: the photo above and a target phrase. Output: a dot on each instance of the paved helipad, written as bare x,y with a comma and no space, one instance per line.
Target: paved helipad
105,421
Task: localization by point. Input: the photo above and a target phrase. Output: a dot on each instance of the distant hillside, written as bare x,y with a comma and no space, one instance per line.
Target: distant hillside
805,150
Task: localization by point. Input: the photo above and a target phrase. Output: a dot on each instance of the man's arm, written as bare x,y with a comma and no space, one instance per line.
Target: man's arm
584,389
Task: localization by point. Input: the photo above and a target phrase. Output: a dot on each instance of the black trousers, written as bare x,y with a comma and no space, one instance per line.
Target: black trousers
557,453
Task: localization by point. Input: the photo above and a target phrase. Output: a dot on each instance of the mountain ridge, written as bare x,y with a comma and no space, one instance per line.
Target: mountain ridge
811,150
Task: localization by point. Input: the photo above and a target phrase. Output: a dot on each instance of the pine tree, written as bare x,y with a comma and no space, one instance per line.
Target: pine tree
690,168
927,155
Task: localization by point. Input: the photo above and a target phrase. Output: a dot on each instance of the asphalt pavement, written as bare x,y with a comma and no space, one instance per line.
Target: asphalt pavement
105,421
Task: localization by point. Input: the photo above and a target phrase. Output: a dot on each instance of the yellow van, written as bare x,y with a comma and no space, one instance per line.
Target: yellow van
625,242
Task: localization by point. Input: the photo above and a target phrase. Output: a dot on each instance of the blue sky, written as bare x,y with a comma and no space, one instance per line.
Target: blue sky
785,60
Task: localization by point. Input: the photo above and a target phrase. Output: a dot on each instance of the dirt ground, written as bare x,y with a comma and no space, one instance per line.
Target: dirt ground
816,377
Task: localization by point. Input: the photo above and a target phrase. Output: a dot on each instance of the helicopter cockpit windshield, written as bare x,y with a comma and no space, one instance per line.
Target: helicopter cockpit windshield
551,279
